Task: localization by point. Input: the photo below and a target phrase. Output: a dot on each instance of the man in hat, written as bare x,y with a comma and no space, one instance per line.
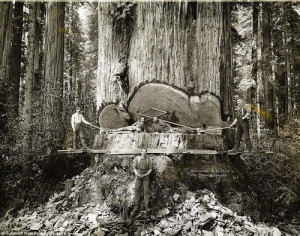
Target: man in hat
142,167
76,122
242,115
160,126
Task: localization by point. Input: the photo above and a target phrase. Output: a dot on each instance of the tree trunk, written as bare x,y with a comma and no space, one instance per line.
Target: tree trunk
266,69
6,9
287,68
226,63
179,44
15,63
259,71
53,75
254,98
32,64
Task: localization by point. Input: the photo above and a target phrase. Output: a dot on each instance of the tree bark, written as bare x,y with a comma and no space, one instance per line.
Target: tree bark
166,44
32,64
15,62
6,9
254,97
259,70
53,75
226,63
287,65
266,69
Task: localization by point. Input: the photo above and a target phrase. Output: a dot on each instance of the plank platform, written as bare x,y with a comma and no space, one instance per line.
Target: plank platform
157,151
75,151
247,153
138,151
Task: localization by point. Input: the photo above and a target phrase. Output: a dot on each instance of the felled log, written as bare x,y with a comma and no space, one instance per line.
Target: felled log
195,111
113,117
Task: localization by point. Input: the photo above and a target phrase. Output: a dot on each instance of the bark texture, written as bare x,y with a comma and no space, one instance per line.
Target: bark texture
32,64
6,9
53,74
266,68
158,141
15,64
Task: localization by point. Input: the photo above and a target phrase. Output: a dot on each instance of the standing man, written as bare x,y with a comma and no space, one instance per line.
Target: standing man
142,167
241,121
76,122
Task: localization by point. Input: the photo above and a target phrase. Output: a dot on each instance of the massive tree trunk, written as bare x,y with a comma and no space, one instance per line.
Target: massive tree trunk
53,75
15,63
180,44
6,9
32,66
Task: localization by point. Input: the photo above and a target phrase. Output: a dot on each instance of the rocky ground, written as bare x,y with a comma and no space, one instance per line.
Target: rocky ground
99,200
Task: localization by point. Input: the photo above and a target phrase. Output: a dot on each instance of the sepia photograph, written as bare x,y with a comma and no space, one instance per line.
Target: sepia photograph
149,117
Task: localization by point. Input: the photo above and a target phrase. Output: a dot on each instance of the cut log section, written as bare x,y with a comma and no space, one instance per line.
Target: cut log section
113,117
194,111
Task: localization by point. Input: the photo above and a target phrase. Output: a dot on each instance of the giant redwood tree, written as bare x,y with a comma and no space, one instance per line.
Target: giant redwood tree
184,45
53,74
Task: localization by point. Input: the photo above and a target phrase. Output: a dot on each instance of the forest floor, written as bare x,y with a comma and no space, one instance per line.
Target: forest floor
192,213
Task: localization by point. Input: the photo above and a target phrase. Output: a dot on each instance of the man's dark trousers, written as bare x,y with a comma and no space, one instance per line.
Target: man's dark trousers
139,184
78,131
242,127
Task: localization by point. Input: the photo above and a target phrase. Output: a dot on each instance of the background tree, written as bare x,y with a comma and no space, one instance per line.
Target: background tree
32,72
53,75
6,10
15,62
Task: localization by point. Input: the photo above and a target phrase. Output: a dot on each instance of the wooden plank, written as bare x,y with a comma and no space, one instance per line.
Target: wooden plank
84,151
159,151
71,151
164,151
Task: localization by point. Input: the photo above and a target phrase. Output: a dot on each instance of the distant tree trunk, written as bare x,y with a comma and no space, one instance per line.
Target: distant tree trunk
287,66
254,98
15,62
70,42
32,64
39,55
53,75
293,75
259,66
266,69
79,92
6,9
